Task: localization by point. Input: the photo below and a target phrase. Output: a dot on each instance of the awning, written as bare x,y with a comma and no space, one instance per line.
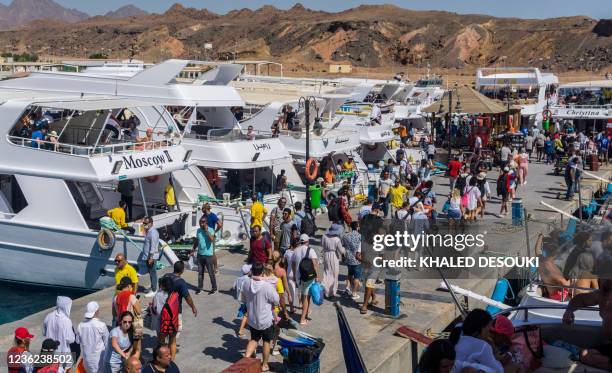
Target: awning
472,102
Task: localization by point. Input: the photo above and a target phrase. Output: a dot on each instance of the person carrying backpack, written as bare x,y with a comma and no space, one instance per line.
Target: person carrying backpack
305,268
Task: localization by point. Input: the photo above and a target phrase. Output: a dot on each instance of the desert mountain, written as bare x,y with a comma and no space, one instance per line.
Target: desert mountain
24,11
126,11
369,35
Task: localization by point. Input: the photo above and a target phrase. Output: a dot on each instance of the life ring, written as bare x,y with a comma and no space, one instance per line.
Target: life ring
106,239
312,169
546,114
152,179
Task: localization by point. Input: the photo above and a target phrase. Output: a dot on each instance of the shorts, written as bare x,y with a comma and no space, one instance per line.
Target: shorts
454,214
354,271
370,277
305,286
430,157
267,334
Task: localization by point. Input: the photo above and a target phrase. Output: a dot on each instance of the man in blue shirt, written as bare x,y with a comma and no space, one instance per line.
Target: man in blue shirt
204,245
38,137
213,221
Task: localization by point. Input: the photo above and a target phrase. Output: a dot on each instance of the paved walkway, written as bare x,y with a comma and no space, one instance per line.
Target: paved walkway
209,342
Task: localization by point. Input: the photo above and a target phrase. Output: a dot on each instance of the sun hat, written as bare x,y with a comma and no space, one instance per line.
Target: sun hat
246,268
92,307
304,237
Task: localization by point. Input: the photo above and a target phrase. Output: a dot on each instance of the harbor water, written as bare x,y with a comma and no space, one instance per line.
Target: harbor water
19,301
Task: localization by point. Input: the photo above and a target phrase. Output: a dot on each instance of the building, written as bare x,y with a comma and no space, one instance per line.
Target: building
341,67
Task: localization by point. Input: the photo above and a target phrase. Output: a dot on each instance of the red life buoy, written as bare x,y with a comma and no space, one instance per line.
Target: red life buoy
312,169
546,114
152,179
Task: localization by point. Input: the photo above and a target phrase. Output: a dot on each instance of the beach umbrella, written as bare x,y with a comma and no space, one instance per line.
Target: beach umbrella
352,357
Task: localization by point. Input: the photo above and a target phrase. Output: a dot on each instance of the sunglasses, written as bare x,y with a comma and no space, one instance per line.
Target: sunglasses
126,322
118,261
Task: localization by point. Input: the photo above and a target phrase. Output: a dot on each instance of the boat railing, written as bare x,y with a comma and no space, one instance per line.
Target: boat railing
90,150
525,310
233,134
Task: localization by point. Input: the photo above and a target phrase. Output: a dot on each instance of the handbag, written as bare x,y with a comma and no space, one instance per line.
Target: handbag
466,197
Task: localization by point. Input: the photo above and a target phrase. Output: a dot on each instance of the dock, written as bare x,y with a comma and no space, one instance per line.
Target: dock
209,343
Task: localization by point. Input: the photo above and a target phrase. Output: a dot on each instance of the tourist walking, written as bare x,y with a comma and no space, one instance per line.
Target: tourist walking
352,243
485,192
453,169
261,249
58,326
276,218
523,163
203,247
529,141
238,285
214,222
258,212
571,178
384,184
93,336
181,290
285,231
150,250
120,346
397,195
471,196
260,297
158,302
125,300
503,190
305,271
332,252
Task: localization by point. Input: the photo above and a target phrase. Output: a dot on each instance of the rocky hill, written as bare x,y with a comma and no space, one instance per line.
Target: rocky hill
371,36
20,12
126,11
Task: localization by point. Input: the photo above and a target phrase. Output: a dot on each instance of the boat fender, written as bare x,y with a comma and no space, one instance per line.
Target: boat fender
152,179
312,169
499,294
106,239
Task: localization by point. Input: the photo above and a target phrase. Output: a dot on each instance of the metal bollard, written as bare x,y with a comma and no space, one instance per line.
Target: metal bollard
392,293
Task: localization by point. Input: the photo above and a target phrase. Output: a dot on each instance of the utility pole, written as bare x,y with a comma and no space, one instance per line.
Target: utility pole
306,102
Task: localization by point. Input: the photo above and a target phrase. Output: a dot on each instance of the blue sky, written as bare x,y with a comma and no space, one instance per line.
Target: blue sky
510,8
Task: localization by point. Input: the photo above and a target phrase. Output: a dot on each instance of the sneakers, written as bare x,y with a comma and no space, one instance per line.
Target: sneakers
355,297
150,294
198,291
212,291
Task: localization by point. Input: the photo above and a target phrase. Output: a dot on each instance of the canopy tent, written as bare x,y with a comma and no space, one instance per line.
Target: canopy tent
472,102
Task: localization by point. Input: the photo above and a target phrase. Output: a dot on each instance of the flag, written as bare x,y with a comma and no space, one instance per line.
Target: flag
352,357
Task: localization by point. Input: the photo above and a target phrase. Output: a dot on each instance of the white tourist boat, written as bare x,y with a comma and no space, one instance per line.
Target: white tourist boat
52,197
528,87
427,90
587,105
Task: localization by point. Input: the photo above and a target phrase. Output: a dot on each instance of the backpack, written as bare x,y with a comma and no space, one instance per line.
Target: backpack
169,316
122,302
308,225
53,368
333,210
306,267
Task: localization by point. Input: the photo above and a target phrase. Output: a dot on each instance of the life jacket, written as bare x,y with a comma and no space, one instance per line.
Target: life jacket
169,316
53,368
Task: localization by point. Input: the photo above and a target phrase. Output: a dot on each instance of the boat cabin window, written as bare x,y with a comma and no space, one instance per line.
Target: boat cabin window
242,183
585,96
12,200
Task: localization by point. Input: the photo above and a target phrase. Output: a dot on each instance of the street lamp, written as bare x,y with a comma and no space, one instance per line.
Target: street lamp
305,102
458,108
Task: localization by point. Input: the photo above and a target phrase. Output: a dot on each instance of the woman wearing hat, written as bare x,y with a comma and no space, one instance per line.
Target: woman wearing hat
332,251
21,347
52,138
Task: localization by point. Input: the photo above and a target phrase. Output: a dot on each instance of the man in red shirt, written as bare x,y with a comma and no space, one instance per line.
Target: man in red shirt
454,167
261,250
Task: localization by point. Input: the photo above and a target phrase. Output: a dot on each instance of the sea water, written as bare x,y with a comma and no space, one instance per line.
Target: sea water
19,301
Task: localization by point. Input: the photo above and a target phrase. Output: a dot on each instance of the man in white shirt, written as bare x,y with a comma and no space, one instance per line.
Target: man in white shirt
300,253
93,335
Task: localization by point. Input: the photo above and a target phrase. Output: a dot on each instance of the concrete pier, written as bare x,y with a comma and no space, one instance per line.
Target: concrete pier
209,343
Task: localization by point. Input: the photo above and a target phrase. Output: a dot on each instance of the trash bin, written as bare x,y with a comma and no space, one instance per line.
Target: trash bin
301,352
315,196
392,293
594,162
517,212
